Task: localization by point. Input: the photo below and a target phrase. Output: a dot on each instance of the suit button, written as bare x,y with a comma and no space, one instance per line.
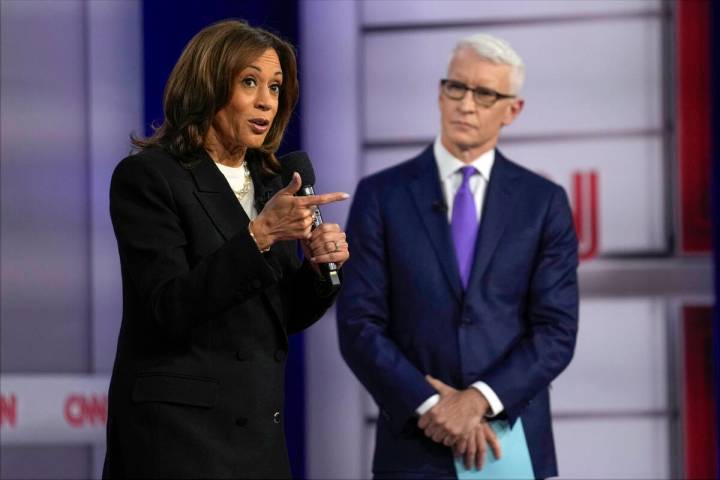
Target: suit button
255,284
276,417
240,421
466,320
280,355
242,356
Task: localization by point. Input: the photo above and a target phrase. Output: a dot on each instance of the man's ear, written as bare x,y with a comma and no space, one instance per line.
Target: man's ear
511,113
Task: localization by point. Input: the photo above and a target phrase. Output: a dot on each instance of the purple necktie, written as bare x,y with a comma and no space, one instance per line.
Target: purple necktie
464,225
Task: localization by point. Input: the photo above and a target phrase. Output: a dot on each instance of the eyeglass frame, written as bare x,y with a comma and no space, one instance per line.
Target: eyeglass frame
475,91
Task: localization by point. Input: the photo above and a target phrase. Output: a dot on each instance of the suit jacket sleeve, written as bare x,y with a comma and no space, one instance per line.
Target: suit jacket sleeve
307,297
552,315
363,313
152,246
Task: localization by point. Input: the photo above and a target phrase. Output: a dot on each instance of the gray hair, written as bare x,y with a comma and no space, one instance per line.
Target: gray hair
497,51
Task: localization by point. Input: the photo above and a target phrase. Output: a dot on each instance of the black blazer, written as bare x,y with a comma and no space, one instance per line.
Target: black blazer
197,386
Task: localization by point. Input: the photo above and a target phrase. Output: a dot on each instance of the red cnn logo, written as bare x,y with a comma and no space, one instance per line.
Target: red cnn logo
585,212
81,410
8,410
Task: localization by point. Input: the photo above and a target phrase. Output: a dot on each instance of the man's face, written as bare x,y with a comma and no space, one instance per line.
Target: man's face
469,129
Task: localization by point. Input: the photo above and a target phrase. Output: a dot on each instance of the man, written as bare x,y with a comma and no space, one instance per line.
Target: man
460,303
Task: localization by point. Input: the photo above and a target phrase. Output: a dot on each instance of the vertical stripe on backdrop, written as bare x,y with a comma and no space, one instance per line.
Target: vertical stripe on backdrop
698,135
693,125
167,27
715,162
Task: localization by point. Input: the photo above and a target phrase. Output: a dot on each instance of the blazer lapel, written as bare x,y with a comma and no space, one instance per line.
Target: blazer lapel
214,194
226,213
497,209
429,199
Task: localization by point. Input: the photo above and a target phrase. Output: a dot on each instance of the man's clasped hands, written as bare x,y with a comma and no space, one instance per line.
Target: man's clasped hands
458,421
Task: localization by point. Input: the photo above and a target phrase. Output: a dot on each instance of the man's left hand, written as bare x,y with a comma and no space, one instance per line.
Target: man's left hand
455,415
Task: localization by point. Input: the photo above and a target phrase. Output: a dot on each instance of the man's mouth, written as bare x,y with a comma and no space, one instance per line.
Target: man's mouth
464,125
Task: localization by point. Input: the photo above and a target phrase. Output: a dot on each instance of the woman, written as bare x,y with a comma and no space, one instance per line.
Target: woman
212,284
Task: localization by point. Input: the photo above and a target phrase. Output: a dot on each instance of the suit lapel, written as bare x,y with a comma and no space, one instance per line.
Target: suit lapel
222,206
214,194
497,209
428,196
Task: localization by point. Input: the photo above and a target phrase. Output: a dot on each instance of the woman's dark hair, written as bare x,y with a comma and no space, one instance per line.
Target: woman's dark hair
201,84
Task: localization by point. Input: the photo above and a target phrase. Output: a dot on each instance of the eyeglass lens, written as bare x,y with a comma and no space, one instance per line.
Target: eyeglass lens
456,91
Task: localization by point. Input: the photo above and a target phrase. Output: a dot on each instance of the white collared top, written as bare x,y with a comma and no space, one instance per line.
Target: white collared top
451,178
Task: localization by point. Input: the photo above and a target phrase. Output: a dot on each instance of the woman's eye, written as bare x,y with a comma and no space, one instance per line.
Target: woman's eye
249,82
275,88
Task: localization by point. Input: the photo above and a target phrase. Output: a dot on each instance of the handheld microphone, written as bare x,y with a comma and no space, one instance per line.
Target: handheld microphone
300,162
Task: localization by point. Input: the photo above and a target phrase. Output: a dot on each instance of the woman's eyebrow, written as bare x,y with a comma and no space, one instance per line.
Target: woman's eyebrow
279,72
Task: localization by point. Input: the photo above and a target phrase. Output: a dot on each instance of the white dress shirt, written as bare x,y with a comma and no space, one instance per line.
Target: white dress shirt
451,178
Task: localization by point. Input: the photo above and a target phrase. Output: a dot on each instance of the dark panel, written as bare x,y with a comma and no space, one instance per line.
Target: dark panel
715,199
167,27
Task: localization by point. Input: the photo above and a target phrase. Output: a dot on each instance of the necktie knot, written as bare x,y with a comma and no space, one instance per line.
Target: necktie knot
467,172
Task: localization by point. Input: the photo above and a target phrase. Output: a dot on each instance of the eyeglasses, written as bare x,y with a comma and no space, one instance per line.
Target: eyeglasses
484,97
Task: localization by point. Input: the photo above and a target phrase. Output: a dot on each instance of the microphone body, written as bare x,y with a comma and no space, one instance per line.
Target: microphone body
329,270
299,162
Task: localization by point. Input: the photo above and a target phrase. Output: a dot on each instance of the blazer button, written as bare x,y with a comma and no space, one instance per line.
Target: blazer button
241,421
243,357
280,355
255,284
466,320
276,417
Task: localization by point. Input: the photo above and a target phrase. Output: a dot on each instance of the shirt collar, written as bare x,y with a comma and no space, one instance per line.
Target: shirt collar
448,164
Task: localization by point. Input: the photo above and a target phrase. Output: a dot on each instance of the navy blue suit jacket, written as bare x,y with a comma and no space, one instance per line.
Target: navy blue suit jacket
402,312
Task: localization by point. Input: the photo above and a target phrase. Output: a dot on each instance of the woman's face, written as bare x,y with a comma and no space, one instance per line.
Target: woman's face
247,117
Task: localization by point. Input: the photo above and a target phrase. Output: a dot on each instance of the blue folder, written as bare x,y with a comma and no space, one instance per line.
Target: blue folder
514,462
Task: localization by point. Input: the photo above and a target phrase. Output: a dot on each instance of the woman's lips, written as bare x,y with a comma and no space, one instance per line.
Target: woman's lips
259,125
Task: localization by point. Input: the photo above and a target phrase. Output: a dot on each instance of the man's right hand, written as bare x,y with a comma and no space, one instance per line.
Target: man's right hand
287,217
473,447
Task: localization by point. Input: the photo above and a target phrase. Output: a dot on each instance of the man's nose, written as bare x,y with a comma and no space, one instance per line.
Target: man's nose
467,103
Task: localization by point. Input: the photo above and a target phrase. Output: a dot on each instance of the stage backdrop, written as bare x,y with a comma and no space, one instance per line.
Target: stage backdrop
617,113
611,89
77,78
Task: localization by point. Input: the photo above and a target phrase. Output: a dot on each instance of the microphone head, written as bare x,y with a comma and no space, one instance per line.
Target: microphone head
297,162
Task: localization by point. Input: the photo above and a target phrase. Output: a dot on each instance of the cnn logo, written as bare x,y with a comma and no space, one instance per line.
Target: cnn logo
8,410
585,200
585,212
85,410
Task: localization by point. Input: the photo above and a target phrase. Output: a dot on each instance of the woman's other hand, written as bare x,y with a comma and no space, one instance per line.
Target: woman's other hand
327,243
287,217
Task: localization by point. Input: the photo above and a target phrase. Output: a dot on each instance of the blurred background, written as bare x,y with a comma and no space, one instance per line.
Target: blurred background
618,111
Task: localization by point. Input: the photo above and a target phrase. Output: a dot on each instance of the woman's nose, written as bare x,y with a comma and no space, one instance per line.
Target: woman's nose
262,101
